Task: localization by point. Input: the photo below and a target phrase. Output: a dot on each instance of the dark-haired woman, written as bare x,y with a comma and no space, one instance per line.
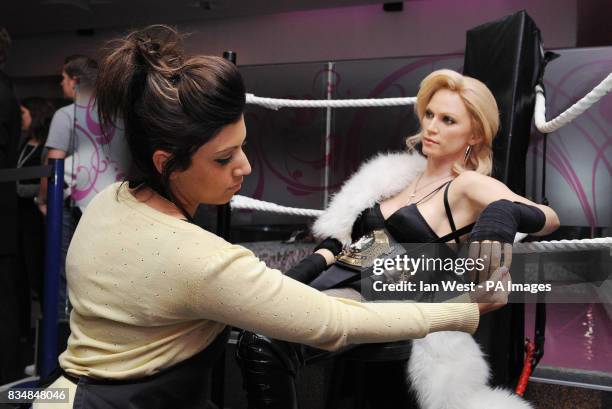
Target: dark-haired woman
153,294
36,114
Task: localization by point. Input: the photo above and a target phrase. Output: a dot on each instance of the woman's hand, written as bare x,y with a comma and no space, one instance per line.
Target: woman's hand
493,279
492,255
493,294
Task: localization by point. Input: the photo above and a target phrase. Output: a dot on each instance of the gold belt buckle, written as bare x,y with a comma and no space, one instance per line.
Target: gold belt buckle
364,251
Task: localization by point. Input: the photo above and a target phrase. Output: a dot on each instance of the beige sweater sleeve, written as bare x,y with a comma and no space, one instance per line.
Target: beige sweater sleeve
232,286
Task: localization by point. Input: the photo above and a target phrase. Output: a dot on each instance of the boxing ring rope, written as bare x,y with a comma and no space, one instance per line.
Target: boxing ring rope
242,202
541,124
572,112
239,202
277,103
563,245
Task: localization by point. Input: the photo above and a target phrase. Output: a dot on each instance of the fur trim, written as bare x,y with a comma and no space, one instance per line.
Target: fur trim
447,370
379,178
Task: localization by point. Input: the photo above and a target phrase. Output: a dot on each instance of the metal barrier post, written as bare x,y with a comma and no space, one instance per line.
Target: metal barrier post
55,199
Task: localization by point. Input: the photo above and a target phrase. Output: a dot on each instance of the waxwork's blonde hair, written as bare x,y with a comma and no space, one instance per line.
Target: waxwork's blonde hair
480,104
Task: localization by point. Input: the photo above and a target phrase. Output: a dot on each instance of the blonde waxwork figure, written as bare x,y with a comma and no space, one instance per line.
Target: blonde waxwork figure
442,194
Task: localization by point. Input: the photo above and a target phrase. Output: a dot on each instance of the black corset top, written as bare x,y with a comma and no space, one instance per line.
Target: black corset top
407,224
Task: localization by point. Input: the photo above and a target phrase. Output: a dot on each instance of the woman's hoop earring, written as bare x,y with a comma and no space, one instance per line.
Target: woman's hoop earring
468,152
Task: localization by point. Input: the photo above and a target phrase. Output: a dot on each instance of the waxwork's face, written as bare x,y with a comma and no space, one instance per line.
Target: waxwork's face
447,126
217,169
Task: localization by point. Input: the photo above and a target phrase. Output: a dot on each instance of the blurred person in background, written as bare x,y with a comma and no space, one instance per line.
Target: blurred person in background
78,78
36,116
10,129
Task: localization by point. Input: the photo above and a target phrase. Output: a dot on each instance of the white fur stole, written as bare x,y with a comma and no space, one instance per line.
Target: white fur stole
447,370
381,177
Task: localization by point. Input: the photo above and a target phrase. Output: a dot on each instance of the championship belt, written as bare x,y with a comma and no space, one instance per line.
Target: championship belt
362,253
357,260
354,268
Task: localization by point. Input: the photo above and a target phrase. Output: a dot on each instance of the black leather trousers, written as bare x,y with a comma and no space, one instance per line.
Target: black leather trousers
269,368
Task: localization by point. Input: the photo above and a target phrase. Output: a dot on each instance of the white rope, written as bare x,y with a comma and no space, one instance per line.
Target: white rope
564,118
276,103
572,112
243,202
562,245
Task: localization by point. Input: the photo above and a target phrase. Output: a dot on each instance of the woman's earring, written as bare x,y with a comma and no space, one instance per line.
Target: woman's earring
468,152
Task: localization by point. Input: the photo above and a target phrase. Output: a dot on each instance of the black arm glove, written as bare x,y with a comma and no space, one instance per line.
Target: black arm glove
308,269
330,244
500,221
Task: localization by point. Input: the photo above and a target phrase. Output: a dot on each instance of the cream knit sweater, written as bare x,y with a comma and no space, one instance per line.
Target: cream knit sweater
150,290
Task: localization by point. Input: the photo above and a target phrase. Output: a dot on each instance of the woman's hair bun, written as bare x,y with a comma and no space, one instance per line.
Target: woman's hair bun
166,101
159,47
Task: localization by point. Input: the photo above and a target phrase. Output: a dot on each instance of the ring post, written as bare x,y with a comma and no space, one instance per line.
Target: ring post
507,55
55,198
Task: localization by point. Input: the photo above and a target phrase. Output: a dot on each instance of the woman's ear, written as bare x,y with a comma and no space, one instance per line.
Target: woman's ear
159,160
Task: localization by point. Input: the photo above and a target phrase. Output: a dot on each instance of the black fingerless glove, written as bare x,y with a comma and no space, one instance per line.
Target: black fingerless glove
330,244
500,221
532,219
308,269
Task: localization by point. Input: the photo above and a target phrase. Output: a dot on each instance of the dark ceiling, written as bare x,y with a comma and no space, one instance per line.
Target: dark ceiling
28,17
